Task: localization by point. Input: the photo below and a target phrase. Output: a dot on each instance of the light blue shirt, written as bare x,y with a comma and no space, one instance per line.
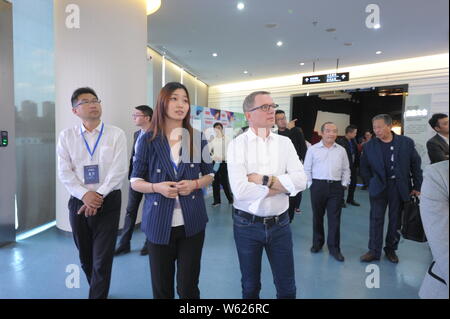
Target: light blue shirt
326,163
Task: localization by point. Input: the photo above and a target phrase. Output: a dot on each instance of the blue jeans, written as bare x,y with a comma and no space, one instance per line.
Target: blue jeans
250,238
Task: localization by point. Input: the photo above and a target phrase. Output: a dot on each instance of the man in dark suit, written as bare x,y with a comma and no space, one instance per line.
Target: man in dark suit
348,142
142,117
437,146
389,162
297,138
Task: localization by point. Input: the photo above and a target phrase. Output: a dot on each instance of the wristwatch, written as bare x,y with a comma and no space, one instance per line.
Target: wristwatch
265,180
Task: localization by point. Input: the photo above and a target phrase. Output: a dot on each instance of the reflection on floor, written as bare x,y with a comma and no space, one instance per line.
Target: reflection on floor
36,267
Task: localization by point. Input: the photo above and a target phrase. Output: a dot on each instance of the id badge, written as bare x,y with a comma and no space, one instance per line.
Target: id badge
91,174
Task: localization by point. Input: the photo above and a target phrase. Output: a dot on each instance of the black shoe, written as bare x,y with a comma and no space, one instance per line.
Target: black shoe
391,255
144,250
353,203
315,249
344,205
368,257
215,204
338,256
122,249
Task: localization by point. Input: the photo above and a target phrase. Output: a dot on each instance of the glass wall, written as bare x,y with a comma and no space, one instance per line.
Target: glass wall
35,111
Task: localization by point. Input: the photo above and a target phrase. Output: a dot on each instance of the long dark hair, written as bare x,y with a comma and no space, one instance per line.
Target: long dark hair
160,112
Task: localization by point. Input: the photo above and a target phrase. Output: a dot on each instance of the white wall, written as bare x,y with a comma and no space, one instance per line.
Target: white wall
110,59
423,74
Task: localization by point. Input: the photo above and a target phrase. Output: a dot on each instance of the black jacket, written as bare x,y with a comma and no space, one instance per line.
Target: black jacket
342,141
136,135
298,139
437,149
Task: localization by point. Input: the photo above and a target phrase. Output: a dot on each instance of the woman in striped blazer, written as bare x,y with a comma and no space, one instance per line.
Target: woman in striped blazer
168,173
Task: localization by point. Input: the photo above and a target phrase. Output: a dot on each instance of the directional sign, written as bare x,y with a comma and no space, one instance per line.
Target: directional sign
326,78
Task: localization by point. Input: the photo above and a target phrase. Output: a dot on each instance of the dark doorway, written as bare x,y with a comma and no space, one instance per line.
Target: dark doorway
359,104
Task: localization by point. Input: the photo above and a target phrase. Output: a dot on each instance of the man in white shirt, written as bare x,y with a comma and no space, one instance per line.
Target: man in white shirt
328,171
218,148
92,165
264,170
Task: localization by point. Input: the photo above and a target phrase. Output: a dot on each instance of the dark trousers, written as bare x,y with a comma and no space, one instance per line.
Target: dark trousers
134,199
95,238
221,178
327,197
352,185
390,197
184,253
294,203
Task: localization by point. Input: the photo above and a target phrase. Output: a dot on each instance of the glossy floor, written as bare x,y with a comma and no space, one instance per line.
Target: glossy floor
36,267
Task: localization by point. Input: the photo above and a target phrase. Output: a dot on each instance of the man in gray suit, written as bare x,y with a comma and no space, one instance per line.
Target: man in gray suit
437,146
434,214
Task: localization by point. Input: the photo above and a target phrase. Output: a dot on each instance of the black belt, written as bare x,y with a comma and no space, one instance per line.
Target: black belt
326,181
269,220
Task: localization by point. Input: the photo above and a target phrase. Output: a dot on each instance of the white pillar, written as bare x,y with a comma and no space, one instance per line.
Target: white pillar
100,44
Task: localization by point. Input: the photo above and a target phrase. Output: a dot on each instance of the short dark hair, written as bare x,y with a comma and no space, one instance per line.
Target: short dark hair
385,117
434,120
145,109
218,124
350,128
249,100
322,128
279,112
80,91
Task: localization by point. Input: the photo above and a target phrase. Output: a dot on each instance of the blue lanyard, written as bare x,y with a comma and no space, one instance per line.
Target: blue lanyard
96,143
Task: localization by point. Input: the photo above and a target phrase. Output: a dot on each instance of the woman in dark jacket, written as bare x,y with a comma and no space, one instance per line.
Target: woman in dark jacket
167,170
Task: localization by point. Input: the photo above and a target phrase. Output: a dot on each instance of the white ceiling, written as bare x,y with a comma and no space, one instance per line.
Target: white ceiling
189,31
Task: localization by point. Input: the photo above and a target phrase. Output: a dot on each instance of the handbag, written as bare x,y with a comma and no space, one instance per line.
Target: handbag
412,227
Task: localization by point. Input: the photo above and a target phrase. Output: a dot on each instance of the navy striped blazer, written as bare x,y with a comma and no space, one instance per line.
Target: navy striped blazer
153,163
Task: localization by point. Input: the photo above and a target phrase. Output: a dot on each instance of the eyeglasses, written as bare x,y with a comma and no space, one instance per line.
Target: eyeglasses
264,108
95,101
137,115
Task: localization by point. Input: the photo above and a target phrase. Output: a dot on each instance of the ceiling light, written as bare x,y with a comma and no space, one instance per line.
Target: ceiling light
214,54
330,30
246,72
153,6
378,52
279,43
240,6
302,63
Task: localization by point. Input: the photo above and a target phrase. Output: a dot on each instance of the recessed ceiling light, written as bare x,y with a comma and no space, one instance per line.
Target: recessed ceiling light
330,30
279,43
302,63
245,72
348,44
270,25
240,6
378,52
214,54
377,26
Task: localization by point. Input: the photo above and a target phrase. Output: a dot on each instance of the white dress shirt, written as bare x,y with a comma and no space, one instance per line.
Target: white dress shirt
219,148
110,156
274,155
326,163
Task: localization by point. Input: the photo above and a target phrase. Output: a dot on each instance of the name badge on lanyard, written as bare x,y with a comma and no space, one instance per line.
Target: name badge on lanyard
91,172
